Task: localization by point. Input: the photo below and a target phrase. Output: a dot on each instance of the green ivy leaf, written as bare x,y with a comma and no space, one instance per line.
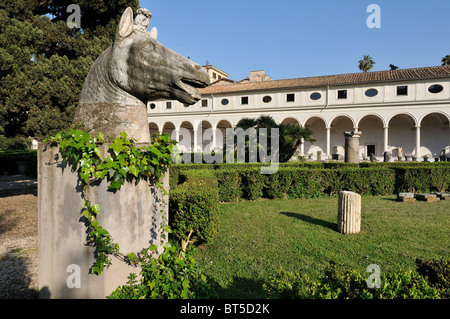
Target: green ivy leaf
134,170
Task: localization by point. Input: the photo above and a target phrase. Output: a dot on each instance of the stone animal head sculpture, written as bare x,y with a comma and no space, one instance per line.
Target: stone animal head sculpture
134,70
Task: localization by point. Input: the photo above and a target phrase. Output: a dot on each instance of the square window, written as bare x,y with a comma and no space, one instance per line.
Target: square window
290,97
204,103
342,94
244,100
168,105
402,90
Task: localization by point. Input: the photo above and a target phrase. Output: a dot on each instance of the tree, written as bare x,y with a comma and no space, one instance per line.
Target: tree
43,62
290,135
366,64
446,60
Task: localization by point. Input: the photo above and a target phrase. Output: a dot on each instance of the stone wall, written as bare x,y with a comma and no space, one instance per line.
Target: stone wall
132,216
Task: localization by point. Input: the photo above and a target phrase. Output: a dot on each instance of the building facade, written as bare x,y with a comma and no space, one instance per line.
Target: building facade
405,110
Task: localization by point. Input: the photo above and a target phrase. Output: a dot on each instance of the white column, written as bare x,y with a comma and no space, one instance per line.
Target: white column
328,141
195,141
214,139
302,147
386,138
418,141
177,135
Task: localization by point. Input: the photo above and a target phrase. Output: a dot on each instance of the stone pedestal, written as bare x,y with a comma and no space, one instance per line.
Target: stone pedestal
132,215
352,147
405,197
349,213
427,197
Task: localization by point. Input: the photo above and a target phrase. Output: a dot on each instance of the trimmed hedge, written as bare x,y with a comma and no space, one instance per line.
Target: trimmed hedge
310,179
423,179
194,205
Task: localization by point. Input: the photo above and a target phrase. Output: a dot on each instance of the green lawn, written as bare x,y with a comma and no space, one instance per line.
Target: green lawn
256,238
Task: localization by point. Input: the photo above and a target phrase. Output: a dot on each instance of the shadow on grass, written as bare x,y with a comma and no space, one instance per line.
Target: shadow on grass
15,278
311,220
391,199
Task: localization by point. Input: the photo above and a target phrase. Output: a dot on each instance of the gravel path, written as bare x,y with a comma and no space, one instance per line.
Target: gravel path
18,238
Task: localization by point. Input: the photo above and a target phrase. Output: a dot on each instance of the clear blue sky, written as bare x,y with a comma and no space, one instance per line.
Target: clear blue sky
298,38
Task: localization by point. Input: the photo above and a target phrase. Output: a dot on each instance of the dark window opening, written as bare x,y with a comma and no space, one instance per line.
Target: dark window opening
225,101
290,97
342,94
244,100
168,105
204,103
267,99
315,96
152,106
436,88
402,90
370,150
371,92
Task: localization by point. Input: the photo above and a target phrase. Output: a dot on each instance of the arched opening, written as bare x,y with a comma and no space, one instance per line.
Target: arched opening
318,127
186,136
402,134
372,137
290,120
221,130
153,127
338,127
435,135
205,137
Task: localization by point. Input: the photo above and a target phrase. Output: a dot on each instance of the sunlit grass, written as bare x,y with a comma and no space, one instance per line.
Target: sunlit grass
256,238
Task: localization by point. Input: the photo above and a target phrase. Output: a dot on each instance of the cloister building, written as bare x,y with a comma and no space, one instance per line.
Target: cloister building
406,109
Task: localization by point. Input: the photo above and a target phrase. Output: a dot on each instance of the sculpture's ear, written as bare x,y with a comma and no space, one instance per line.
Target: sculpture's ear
125,25
154,33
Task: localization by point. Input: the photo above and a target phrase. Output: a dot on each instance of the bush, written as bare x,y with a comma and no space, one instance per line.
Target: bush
229,183
422,178
437,272
194,207
14,143
252,183
167,276
319,179
340,283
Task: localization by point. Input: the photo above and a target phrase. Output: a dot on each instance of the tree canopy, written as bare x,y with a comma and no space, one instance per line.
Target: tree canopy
366,64
290,135
44,62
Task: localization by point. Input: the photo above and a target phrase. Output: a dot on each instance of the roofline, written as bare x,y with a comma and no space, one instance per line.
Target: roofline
406,79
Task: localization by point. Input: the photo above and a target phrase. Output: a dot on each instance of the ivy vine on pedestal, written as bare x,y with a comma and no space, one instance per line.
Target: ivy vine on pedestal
125,162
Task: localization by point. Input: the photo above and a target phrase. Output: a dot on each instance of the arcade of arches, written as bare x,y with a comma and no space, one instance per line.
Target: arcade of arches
428,135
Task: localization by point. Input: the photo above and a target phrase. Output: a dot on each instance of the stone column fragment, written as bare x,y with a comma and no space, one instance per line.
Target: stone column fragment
349,213
352,147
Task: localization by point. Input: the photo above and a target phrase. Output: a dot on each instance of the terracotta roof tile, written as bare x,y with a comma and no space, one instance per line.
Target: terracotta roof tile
334,80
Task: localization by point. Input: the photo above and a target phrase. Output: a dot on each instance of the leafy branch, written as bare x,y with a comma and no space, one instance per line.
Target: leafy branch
124,162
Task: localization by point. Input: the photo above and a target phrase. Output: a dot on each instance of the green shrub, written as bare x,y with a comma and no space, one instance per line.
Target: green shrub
14,143
422,178
319,179
229,182
167,276
252,183
194,207
340,283
437,272
277,185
